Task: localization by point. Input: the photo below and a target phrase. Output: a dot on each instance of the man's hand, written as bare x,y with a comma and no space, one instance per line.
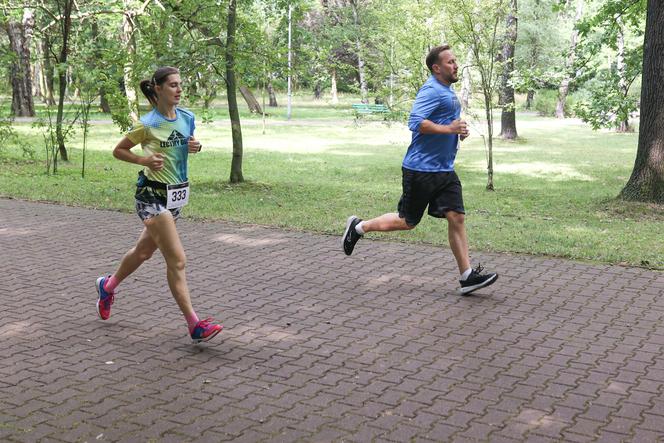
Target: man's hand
155,162
459,126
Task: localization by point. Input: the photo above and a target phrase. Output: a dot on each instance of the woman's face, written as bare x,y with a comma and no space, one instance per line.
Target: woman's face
168,93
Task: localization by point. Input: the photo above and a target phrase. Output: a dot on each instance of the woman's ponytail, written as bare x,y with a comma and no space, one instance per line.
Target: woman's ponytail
148,91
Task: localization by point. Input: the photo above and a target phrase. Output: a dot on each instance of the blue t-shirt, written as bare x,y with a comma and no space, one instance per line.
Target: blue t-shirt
157,134
433,152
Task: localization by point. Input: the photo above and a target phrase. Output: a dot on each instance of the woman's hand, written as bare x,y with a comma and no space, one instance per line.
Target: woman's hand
155,162
194,145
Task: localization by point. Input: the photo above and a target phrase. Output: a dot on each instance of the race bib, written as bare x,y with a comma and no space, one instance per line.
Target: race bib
177,195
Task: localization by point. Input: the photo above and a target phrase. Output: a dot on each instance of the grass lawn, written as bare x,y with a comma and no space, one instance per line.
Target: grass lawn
555,187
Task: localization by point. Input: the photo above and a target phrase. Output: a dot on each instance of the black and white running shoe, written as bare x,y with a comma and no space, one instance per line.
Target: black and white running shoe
477,280
350,234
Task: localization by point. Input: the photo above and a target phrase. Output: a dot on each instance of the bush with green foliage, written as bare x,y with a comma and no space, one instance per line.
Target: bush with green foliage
545,101
606,106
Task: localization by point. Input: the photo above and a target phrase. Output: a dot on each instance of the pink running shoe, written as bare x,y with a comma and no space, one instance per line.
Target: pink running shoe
205,330
104,299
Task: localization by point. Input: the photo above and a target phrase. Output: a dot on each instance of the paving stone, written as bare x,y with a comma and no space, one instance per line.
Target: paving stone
315,349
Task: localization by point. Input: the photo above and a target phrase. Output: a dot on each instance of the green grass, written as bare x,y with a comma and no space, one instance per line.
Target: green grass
555,187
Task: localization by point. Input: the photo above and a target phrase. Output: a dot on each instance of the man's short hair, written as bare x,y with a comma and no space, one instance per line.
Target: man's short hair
432,58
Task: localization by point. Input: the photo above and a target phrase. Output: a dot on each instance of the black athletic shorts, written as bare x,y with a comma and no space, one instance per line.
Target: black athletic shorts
441,191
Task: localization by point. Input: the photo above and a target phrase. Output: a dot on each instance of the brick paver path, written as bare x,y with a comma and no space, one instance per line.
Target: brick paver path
317,346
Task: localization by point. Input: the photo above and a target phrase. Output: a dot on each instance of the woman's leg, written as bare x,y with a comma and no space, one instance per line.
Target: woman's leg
134,258
164,234
145,247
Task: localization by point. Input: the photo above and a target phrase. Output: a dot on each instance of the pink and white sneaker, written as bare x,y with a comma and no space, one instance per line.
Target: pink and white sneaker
205,330
104,299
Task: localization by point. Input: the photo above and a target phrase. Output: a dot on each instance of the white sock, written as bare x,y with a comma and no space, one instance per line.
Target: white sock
466,274
358,228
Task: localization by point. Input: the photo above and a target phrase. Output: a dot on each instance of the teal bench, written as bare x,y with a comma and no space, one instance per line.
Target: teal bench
366,109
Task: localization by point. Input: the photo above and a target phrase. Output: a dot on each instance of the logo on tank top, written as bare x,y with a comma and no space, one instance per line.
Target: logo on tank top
175,139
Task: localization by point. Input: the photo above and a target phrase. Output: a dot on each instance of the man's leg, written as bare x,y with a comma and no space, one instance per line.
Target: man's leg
471,279
385,223
356,228
414,200
456,233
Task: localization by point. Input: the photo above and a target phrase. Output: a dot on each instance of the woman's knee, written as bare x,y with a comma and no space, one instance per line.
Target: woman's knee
177,262
143,253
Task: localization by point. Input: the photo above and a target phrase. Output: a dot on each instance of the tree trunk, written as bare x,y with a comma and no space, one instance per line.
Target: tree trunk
489,123
317,91
508,115
129,43
20,35
36,80
48,72
466,84
333,88
647,180
103,101
623,124
236,128
253,104
360,60
529,99
62,78
271,94
209,97
360,71
563,89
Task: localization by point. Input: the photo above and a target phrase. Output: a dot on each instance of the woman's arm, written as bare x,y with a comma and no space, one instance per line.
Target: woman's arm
123,152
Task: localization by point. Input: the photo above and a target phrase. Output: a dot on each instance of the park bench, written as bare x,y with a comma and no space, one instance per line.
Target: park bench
366,109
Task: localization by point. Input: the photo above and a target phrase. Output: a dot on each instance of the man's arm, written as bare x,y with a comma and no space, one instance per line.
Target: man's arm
456,127
425,104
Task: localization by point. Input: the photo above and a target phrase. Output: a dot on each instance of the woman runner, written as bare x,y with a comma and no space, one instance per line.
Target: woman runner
167,137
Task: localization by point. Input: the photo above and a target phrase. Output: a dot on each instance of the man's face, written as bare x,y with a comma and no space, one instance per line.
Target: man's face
447,66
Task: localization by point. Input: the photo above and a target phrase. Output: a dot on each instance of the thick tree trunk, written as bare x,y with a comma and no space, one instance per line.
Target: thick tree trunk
623,124
129,43
508,115
333,88
254,106
647,180
20,35
48,72
272,96
62,78
236,128
317,91
563,89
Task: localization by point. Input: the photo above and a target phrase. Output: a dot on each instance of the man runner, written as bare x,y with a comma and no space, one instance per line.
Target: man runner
428,170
